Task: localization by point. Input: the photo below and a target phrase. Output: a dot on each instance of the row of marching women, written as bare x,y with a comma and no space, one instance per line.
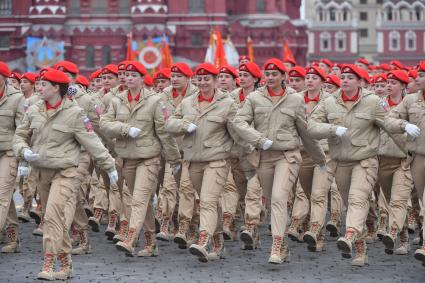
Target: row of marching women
208,155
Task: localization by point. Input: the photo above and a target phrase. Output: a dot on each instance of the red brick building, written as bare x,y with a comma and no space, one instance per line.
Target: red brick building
94,31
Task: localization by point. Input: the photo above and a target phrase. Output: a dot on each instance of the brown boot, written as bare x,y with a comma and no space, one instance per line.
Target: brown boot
122,232
128,244
65,271
411,220
192,235
75,235
293,231
150,249
47,272
180,238
333,224
39,230
404,247
24,215
112,224
370,231
390,239
94,221
227,223
345,244
12,245
84,245
382,226
218,250
311,237
164,234
280,251
37,213
321,244
360,258
200,248
420,254
250,236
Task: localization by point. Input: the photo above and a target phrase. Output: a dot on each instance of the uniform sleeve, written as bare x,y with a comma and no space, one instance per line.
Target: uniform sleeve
311,145
176,124
109,126
22,137
397,119
318,125
242,125
85,135
169,144
231,122
20,111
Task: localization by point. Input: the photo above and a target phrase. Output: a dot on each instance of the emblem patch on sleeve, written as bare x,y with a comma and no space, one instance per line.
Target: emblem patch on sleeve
87,124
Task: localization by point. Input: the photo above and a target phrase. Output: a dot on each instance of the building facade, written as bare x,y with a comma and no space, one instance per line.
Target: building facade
94,31
379,30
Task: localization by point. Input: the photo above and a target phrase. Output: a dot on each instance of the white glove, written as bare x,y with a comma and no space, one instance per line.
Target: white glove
191,128
175,168
30,156
113,177
23,171
134,132
412,130
267,144
340,131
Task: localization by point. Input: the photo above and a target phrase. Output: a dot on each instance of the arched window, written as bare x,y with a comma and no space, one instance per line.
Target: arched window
325,41
106,55
418,13
320,13
404,14
394,43
345,15
410,41
90,56
332,15
390,14
340,41
196,6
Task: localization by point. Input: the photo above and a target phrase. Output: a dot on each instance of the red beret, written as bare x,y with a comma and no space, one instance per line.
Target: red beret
289,60
66,66
397,65
398,75
30,77
297,71
122,65
164,73
229,70
327,62
413,74
364,75
148,80
82,80
316,71
55,76
95,74
110,69
251,68
381,78
372,67
136,66
243,57
421,66
4,69
352,69
182,68
385,67
333,80
363,61
42,71
274,64
206,69
15,75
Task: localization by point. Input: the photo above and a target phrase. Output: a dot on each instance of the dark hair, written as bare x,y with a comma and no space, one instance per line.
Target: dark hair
63,88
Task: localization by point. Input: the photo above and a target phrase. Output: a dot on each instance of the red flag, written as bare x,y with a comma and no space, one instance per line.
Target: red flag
220,55
129,55
287,53
167,59
250,47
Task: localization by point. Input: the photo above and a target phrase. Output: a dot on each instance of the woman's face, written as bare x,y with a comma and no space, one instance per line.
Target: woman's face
297,83
274,78
48,90
226,81
380,89
412,87
313,82
160,84
26,85
394,87
349,82
109,81
329,88
246,80
134,80
206,83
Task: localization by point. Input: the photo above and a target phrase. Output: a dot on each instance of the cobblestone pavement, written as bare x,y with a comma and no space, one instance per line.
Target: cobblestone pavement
106,264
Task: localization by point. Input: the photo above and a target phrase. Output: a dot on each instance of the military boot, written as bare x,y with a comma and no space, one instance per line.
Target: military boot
112,225
218,249
65,271
24,215
370,236
200,248
345,244
227,223
250,236
150,249
360,258
94,221
84,244
13,244
293,231
334,223
280,251
181,238
404,246
382,227
128,244
311,237
47,272
122,232
389,240
39,230
164,234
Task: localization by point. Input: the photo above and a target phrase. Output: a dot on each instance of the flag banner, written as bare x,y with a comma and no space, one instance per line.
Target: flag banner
150,52
43,52
221,52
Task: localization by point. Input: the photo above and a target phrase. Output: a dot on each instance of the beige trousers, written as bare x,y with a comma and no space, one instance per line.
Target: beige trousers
417,168
8,172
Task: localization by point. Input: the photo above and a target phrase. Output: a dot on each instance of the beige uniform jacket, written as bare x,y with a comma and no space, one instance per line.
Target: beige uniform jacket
89,105
11,113
212,139
147,115
106,98
387,146
410,110
363,121
284,123
58,138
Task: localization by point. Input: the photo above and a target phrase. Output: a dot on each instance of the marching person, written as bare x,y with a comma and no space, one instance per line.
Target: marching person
408,117
50,139
227,78
162,79
296,78
350,120
135,119
278,116
204,120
